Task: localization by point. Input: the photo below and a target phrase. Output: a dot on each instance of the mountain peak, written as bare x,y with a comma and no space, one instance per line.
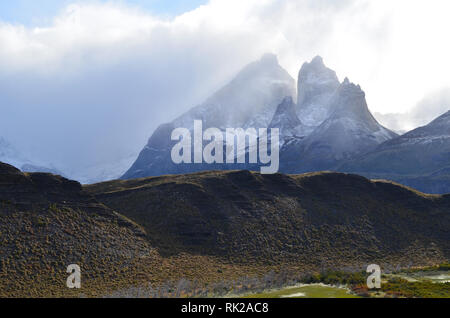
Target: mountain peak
269,58
439,126
316,85
287,121
317,60
350,88
285,113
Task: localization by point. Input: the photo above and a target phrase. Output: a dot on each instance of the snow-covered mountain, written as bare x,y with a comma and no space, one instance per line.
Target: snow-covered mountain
10,155
316,86
419,158
286,119
330,123
349,130
249,100
102,171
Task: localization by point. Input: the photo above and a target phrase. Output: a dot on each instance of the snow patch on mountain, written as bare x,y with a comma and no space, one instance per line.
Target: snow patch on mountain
316,86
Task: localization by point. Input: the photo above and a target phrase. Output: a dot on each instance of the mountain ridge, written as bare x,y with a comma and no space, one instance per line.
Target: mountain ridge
420,158
341,106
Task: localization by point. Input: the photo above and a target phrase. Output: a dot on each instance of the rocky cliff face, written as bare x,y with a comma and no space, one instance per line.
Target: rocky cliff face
316,86
287,121
348,130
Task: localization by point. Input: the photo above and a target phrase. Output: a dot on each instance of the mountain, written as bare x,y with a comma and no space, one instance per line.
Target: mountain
429,108
9,154
330,122
33,168
111,169
207,227
316,86
349,129
248,101
420,158
286,119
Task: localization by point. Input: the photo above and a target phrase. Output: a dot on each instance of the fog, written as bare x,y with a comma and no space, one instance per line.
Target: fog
90,87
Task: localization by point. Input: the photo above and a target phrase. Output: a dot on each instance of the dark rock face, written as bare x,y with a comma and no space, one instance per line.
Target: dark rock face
286,120
419,158
316,86
349,131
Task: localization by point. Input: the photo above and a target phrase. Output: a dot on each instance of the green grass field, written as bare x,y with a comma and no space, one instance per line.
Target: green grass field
309,291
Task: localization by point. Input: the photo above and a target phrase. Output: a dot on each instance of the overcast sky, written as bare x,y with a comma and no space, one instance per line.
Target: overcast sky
89,81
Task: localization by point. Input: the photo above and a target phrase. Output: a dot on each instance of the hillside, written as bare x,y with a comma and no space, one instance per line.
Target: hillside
47,223
206,227
322,218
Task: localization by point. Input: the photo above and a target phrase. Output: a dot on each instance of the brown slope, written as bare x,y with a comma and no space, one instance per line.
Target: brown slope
47,223
330,218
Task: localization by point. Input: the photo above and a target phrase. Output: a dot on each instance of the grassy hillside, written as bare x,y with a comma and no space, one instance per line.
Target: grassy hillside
207,228
321,219
48,222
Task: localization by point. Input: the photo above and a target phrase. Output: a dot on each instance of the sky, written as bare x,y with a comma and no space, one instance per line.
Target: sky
39,13
87,82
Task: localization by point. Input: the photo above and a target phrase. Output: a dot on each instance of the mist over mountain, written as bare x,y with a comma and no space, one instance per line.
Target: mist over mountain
9,154
330,123
429,108
316,86
344,125
419,158
250,100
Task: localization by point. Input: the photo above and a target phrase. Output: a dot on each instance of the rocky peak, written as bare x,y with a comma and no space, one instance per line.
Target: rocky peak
316,85
285,115
248,100
444,119
351,90
440,127
349,101
313,78
286,109
287,121
269,59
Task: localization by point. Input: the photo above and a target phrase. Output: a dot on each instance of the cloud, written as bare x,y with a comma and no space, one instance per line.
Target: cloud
429,108
93,85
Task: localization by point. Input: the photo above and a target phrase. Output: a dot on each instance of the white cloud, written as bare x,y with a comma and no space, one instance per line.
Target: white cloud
94,84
